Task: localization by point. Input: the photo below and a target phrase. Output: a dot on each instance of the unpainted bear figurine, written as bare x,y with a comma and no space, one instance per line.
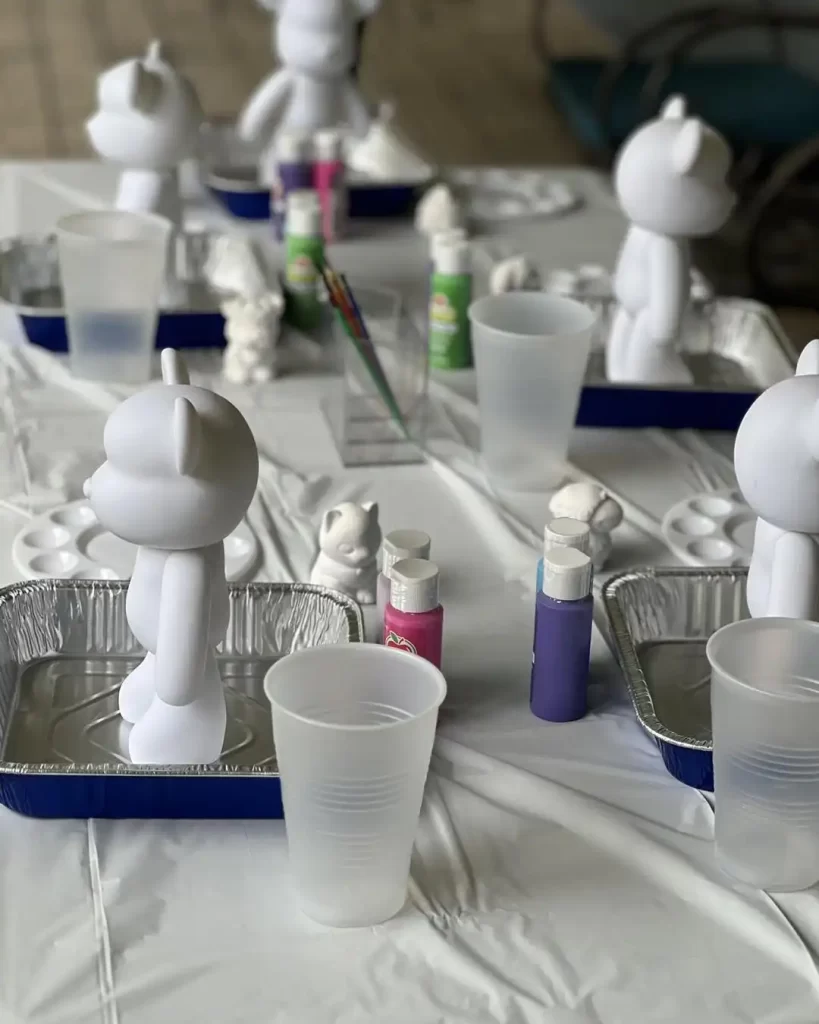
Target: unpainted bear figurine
181,470
670,180
776,458
349,539
313,89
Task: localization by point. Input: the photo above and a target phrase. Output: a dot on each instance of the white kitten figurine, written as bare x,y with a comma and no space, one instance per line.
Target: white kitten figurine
348,544
776,458
670,179
180,473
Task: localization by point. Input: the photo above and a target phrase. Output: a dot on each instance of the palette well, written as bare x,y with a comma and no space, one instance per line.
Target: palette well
70,543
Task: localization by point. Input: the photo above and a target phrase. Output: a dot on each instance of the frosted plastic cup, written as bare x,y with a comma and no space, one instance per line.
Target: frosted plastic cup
112,265
530,351
353,727
765,714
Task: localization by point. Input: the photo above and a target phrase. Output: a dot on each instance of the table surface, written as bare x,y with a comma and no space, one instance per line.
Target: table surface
560,874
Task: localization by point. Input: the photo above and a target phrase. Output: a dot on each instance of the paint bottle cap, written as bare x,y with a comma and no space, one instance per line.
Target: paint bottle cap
567,574
567,533
443,238
414,585
293,147
303,214
453,257
328,145
400,544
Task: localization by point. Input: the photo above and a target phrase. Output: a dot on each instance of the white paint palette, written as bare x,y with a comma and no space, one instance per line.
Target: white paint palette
715,528
69,543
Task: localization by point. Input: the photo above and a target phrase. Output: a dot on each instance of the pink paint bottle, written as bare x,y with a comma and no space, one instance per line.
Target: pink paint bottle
414,619
328,181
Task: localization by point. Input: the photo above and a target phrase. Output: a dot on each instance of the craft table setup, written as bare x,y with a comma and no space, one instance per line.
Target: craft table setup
560,872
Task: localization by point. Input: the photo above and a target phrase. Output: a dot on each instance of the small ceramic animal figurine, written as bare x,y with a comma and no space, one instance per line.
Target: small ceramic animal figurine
591,504
148,122
515,274
180,473
776,458
670,179
313,89
348,544
438,210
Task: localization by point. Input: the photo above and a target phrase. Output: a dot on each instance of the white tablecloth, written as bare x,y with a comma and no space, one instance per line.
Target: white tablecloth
560,875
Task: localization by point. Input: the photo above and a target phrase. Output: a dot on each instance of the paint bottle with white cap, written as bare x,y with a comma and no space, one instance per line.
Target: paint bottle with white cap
292,172
396,546
304,259
562,645
450,342
563,533
414,618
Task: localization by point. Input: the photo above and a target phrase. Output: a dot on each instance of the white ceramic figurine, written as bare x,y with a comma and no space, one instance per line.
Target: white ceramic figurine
180,473
591,504
670,179
148,122
776,458
348,544
313,89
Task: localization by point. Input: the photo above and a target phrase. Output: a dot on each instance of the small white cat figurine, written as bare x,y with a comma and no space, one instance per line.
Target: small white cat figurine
348,544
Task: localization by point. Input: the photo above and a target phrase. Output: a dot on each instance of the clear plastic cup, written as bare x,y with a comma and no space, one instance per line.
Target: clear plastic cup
353,727
530,351
765,716
112,265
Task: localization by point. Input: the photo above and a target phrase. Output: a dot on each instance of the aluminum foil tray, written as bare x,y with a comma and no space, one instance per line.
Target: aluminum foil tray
65,647
660,621
30,283
735,348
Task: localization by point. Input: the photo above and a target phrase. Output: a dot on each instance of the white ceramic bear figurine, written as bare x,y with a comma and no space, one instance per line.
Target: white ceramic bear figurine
776,458
180,473
148,122
313,89
670,179
252,326
348,544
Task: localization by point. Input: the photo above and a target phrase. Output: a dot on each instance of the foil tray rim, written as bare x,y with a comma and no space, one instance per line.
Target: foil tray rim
626,652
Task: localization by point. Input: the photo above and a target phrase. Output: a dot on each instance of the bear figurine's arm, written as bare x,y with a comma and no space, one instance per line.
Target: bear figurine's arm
184,625
669,287
794,578
260,110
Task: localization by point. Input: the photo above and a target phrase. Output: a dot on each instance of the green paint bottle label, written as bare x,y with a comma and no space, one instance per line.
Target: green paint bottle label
450,345
305,254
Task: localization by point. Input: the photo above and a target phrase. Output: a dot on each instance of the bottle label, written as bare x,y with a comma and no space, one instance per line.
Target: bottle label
443,317
401,642
449,331
301,275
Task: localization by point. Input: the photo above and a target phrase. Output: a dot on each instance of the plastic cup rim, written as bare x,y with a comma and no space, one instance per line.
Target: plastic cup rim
155,220
372,651
546,299
746,625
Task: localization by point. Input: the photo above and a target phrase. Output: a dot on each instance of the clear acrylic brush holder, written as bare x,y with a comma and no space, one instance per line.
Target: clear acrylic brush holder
366,431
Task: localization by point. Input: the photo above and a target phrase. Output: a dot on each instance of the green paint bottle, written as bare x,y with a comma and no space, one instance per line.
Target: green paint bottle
304,248
450,343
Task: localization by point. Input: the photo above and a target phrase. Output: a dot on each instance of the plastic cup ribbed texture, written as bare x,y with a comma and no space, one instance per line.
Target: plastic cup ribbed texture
353,728
530,351
765,720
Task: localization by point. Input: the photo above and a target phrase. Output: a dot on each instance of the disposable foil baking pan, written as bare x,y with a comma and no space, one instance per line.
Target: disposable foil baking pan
30,283
660,621
65,647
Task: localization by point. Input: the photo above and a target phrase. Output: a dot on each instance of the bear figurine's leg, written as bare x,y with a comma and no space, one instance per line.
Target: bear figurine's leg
137,690
653,361
617,345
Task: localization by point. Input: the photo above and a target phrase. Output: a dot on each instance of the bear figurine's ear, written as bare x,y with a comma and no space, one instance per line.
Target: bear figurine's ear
155,54
685,152
187,436
809,359
144,88
174,370
674,109
371,508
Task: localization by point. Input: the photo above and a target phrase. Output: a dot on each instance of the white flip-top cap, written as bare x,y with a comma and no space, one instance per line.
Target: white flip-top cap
566,533
441,239
293,147
452,257
400,544
328,144
567,574
414,585
303,216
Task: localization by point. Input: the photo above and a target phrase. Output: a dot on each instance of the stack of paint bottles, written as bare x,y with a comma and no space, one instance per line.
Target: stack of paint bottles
396,546
316,163
563,623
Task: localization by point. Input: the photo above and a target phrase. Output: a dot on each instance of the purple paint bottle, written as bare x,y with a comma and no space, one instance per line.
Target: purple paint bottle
294,173
563,625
